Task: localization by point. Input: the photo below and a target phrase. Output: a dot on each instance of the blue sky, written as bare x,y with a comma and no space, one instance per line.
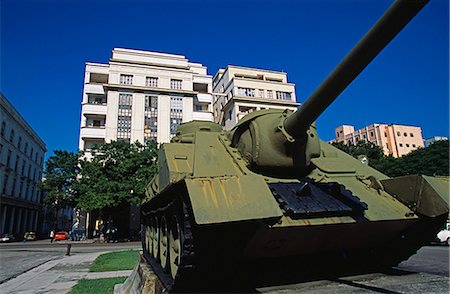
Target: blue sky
44,45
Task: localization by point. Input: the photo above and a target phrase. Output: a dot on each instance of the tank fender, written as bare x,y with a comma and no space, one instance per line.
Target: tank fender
428,196
231,199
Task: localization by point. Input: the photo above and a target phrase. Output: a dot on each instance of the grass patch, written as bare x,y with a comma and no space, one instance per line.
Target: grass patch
115,261
96,286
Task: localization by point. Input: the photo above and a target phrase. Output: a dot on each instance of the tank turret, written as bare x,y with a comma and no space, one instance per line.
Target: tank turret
287,141
269,195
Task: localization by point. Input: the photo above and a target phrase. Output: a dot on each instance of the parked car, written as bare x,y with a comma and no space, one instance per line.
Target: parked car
78,235
60,236
7,238
443,237
29,236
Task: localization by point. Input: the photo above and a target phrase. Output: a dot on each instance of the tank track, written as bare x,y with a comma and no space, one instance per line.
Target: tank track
187,260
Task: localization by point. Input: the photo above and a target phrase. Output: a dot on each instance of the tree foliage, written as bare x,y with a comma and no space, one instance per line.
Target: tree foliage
117,173
433,160
430,161
60,172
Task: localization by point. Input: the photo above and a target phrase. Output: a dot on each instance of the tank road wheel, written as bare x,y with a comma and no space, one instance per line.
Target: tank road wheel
154,236
175,245
163,244
147,239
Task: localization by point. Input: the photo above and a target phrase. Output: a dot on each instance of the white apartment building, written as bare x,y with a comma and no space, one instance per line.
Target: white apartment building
142,95
21,163
433,139
241,90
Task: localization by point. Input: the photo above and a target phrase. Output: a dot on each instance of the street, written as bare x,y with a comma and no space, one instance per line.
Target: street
17,257
425,272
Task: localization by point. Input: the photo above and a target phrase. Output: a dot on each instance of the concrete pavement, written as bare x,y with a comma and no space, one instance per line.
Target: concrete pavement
57,276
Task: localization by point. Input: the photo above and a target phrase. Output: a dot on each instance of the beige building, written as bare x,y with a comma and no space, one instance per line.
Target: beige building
142,95
241,90
395,140
21,163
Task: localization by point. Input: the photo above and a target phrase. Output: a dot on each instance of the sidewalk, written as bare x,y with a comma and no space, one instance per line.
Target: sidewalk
58,276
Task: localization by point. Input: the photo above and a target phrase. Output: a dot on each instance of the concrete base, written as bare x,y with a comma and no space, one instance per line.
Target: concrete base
141,281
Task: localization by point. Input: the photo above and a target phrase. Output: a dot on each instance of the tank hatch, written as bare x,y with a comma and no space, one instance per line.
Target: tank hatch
307,199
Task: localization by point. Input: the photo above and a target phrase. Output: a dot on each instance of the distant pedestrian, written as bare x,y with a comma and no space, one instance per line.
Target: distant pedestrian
52,236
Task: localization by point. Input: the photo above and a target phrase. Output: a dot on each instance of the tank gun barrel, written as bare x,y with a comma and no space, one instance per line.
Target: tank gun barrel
379,36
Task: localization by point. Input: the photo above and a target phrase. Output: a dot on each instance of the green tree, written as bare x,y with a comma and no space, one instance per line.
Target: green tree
60,173
433,160
118,173
430,161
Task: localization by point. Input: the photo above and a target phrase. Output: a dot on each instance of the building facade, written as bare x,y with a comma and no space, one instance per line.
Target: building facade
431,140
241,90
395,140
21,164
142,95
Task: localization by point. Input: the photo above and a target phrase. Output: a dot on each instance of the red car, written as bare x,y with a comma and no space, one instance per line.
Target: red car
61,236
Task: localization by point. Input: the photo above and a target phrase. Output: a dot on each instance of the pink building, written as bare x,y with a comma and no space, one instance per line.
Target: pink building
396,140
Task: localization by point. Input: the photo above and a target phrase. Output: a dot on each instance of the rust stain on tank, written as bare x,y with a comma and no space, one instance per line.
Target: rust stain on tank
212,193
224,193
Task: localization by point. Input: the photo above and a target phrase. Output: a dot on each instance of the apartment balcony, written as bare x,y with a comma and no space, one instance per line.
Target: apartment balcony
99,109
204,98
94,89
93,132
202,115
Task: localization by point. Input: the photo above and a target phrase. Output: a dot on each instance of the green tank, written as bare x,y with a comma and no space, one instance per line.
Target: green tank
269,191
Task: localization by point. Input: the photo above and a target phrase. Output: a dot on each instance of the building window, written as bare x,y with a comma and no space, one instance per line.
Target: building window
124,117
411,134
201,107
246,92
11,136
283,95
151,82
5,183
8,159
176,113
176,84
126,79
23,168
3,129
261,93
151,118
414,145
270,94
31,153
16,163
13,190
26,149
401,145
230,114
97,99
385,134
371,134
19,143
407,145
399,134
